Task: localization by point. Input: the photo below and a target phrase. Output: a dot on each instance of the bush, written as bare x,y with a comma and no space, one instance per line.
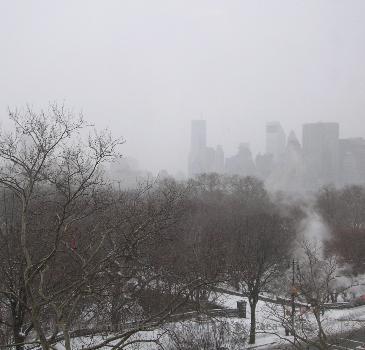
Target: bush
207,335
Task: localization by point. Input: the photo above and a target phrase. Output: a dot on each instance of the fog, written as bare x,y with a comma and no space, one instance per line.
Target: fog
145,69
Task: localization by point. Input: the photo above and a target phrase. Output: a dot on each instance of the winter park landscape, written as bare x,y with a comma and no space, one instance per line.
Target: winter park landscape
182,175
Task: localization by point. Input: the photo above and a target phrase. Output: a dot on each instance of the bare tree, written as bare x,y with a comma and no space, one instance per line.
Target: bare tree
344,212
260,240
14,315
310,324
88,251
39,164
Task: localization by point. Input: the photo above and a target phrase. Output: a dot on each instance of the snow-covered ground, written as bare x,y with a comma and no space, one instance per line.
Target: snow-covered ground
269,330
334,321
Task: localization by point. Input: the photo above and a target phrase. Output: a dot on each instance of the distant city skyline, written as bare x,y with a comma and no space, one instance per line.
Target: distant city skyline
145,68
287,164
231,145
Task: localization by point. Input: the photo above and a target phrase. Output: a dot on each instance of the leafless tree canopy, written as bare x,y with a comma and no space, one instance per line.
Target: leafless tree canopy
80,259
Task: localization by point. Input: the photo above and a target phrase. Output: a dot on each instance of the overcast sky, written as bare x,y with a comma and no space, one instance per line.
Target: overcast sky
146,68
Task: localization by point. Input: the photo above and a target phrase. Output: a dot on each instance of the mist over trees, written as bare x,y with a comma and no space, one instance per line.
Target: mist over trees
82,258
198,182
344,212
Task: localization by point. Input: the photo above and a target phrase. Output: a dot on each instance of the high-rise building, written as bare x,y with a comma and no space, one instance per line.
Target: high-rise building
219,160
264,165
198,145
289,174
293,143
242,163
275,140
198,135
352,161
203,159
321,153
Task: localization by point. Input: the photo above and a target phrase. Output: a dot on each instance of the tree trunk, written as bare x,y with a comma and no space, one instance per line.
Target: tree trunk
18,338
253,303
17,321
116,307
38,328
321,334
34,308
66,334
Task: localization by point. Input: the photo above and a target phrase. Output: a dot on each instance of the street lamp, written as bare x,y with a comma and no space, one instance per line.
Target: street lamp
294,292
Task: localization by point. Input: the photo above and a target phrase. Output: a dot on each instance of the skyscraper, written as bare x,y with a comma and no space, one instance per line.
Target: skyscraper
321,152
275,140
198,135
352,161
198,145
203,159
219,160
242,163
289,174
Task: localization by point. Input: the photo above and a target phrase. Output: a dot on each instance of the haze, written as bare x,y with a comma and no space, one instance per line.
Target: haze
145,69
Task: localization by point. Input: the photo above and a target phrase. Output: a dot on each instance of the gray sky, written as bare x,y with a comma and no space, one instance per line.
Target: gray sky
146,68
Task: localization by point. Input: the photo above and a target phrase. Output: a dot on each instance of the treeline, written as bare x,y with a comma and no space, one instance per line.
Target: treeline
344,212
80,258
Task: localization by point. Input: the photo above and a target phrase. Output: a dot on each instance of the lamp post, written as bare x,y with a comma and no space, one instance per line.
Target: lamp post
293,300
294,292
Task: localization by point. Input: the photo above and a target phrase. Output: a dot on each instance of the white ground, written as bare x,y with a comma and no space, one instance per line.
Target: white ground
335,321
